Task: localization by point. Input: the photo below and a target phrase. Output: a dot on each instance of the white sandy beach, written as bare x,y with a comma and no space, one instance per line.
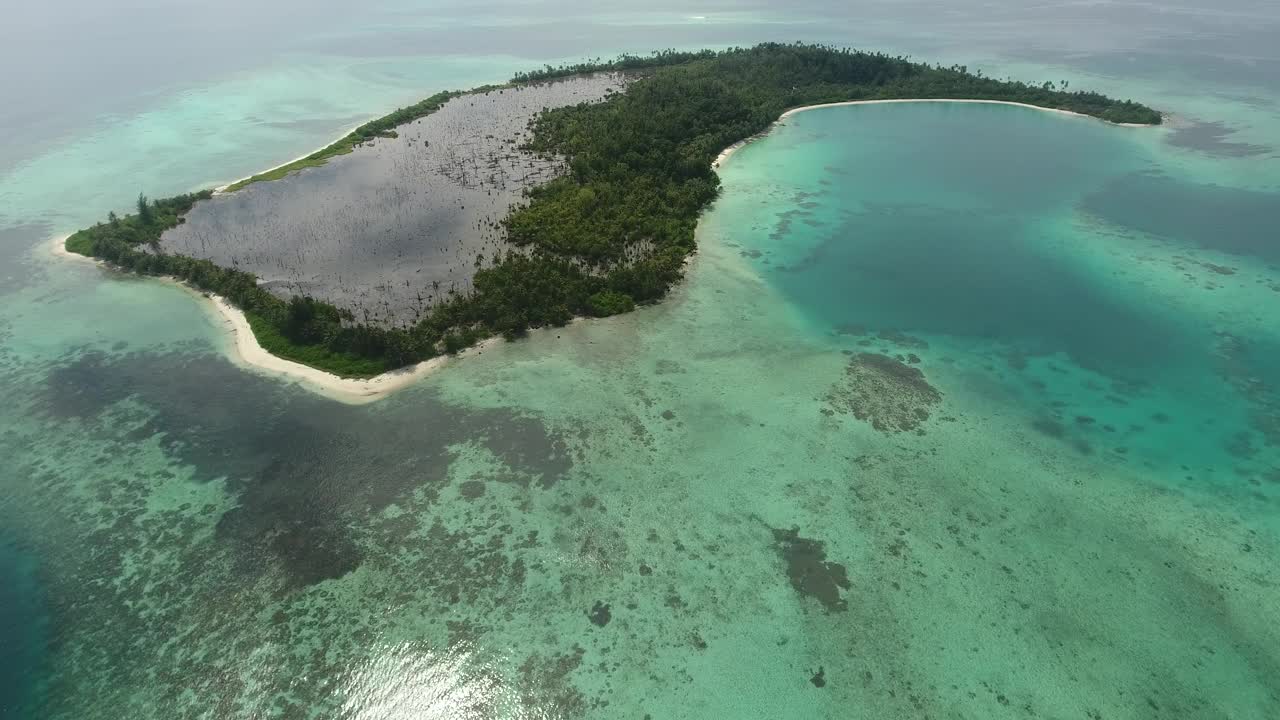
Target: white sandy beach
247,353
243,350
724,155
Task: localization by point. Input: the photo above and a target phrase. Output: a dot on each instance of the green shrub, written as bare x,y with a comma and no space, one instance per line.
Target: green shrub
610,302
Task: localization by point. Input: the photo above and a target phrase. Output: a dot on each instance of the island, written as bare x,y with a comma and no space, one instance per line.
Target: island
570,191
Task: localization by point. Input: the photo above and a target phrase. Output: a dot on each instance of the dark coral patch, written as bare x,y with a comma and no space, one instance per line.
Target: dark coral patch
545,684
305,466
891,395
1049,427
1211,138
600,614
1247,367
809,571
901,339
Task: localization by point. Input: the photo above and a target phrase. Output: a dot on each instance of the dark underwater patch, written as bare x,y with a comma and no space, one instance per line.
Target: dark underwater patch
600,614
809,571
17,269
891,395
970,274
1249,366
546,682
1229,220
1212,138
301,466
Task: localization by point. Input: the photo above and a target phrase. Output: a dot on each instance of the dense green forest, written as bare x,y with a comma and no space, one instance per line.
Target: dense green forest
623,63
615,230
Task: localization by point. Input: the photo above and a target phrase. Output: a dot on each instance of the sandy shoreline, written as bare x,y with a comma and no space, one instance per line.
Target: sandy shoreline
245,352
222,188
724,154
59,247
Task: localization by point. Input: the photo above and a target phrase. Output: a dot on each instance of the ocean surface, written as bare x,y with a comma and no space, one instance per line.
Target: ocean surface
963,410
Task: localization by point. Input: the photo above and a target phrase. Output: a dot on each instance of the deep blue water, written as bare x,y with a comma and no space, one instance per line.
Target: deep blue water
22,625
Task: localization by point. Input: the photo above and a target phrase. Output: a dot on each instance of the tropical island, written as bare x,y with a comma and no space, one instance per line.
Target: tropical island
570,191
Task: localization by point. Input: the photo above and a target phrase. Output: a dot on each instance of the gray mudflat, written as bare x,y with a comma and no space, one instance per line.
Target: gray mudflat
391,228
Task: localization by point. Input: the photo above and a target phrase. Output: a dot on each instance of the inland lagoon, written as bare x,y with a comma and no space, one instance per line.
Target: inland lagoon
392,228
959,410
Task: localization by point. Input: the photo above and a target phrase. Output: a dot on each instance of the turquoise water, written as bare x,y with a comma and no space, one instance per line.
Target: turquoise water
963,411
990,249
725,505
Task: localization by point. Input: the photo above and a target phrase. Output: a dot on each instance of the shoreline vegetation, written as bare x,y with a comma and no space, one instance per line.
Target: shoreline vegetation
613,233
246,351
380,127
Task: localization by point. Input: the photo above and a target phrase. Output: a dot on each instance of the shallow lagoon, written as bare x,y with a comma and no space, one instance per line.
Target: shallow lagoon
693,511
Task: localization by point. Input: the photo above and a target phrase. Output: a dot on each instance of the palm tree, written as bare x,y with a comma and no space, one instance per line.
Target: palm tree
144,210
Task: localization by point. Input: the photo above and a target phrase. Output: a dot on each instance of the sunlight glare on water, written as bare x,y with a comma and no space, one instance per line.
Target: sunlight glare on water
407,680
